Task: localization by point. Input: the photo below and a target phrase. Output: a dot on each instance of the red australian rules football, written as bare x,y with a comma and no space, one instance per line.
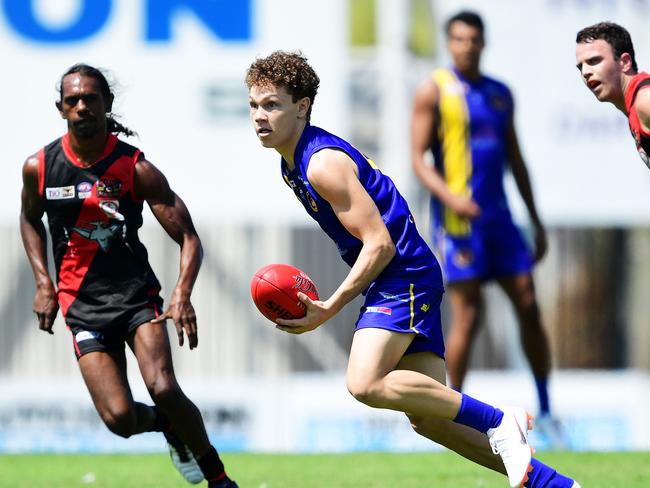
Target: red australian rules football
275,288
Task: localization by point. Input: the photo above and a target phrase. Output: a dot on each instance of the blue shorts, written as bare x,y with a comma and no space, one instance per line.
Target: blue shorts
491,251
410,308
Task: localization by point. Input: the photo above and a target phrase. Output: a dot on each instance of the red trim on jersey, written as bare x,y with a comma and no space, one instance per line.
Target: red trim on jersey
41,171
640,135
630,93
111,142
643,132
134,196
122,171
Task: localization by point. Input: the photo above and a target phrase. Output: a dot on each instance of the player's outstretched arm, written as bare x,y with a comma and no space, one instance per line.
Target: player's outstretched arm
522,179
34,238
422,130
171,212
333,175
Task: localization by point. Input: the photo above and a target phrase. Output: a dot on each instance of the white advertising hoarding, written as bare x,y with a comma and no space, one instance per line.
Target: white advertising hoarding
180,66
314,413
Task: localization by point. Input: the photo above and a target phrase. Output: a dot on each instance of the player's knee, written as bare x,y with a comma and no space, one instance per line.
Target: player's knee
430,428
527,306
164,391
120,421
366,392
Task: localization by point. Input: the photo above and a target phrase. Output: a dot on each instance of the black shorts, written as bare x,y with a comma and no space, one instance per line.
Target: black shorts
114,337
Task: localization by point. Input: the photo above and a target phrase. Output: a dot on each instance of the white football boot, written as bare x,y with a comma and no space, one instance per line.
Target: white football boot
183,459
576,485
510,441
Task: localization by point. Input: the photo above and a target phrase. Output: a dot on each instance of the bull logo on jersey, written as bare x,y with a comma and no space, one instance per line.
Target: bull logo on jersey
102,233
109,187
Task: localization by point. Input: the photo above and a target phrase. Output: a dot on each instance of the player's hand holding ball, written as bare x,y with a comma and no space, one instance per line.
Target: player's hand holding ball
287,296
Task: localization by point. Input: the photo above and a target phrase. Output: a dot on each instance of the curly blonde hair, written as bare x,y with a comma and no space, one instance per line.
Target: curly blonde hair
286,69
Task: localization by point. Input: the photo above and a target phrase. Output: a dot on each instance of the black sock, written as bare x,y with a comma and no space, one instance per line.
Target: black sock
211,465
161,423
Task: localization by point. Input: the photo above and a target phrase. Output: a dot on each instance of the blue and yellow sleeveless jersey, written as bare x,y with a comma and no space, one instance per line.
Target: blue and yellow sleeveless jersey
470,146
413,260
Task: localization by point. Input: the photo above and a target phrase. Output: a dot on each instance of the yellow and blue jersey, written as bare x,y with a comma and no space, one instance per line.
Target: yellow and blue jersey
470,146
470,149
413,258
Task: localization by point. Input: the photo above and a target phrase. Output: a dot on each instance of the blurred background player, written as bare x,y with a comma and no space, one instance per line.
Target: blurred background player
397,355
92,186
606,61
466,120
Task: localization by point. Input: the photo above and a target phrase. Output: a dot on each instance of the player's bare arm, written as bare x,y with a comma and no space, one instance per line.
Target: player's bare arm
334,176
422,130
171,212
34,238
642,106
522,179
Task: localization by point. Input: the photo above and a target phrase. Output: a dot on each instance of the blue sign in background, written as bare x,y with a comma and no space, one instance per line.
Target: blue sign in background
229,21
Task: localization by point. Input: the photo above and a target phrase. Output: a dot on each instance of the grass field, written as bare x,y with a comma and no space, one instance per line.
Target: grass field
372,470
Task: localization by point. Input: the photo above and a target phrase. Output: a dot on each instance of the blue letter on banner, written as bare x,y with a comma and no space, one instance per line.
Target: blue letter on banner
92,17
229,20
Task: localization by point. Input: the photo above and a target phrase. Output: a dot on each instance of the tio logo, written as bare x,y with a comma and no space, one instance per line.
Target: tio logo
229,20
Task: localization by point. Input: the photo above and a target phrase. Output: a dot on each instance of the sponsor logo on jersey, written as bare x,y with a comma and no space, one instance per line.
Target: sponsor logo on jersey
84,189
87,335
59,192
390,296
109,187
384,310
102,233
425,307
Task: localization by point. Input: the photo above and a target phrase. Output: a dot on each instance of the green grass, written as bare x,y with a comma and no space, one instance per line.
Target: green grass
373,470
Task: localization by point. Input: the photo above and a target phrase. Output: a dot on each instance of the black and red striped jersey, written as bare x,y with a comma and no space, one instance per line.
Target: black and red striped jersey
102,268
